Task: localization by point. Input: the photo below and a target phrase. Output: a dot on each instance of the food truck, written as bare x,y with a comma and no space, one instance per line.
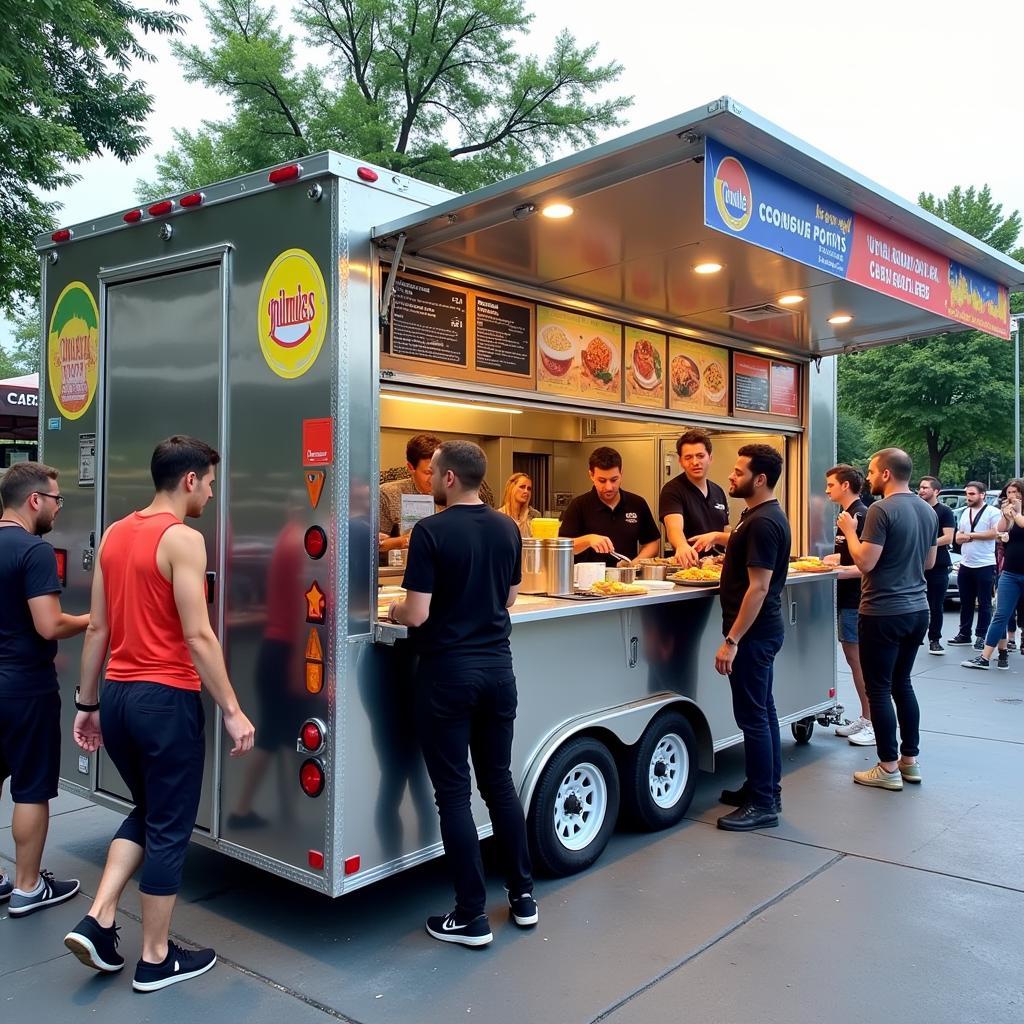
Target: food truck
308,319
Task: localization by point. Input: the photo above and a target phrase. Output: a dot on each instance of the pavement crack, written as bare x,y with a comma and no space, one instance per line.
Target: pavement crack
942,831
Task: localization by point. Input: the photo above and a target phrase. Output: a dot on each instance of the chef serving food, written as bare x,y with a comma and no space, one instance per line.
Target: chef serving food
608,518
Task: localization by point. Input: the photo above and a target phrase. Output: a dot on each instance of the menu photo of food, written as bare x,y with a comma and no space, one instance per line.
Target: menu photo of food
578,355
645,368
698,377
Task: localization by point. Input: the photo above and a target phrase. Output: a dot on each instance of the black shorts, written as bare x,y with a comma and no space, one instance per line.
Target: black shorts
30,746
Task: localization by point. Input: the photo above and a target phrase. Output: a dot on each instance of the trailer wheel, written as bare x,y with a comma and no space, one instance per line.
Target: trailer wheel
574,807
803,730
662,772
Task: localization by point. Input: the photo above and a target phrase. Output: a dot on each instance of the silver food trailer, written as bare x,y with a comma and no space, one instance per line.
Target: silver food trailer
307,319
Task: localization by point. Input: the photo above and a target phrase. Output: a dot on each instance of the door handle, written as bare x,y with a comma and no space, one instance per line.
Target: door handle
634,651
211,583
792,613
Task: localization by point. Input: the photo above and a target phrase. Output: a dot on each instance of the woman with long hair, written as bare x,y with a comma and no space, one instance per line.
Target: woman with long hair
515,501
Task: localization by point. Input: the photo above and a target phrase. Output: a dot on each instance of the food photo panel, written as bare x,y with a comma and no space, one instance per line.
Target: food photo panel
645,368
578,355
698,377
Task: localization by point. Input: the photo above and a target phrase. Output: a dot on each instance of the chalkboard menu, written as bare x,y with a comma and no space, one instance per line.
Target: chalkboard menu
751,383
429,322
502,335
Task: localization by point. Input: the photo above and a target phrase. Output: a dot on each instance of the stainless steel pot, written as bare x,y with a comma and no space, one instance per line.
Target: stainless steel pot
558,563
621,574
653,572
535,571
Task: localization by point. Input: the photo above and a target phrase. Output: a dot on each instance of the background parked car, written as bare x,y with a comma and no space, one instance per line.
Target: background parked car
956,497
952,589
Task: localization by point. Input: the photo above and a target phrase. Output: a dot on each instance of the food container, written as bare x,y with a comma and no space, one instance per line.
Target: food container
535,573
621,574
544,528
653,572
396,557
558,563
586,574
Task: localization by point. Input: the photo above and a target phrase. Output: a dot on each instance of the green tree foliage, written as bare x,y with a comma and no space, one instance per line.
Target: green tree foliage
23,355
950,395
65,95
432,88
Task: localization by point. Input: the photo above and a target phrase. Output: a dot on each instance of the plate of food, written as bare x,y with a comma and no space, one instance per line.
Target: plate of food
646,365
600,360
685,377
695,577
808,563
613,588
557,349
714,380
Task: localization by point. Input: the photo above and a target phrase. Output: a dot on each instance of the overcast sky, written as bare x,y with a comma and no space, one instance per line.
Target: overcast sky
917,95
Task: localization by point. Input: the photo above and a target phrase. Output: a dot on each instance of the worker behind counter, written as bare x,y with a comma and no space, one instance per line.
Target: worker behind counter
608,518
418,452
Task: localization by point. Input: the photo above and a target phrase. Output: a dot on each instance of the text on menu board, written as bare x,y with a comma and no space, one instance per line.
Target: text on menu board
502,335
428,322
763,385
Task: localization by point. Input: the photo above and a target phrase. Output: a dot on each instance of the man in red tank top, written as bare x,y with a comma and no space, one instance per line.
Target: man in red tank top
149,608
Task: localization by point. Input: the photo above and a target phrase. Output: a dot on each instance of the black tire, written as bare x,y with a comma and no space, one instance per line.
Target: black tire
552,846
677,777
803,730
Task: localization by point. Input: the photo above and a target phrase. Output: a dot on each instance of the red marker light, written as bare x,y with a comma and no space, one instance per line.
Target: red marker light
352,865
311,777
367,173
315,542
831,691
312,737
192,199
162,208
61,556
132,217
282,174
316,860
64,235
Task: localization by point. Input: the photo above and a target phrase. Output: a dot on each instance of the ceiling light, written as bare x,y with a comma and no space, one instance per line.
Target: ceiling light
557,211
790,300
707,268
464,406
839,319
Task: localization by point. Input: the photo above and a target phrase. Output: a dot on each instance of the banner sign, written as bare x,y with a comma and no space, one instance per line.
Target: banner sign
748,201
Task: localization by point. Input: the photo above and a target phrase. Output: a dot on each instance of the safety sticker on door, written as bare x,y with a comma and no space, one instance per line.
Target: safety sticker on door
73,350
292,315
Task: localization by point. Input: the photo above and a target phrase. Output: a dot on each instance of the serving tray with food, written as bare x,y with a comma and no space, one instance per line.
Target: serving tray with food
698,577
809,563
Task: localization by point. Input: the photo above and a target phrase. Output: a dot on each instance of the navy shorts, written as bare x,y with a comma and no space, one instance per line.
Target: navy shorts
848,629
30,746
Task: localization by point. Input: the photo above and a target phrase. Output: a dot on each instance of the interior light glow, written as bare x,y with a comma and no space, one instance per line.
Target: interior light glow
557,211
839,319
465,406
707,268
790,300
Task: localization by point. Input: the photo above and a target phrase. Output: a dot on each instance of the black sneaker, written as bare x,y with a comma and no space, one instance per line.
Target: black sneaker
978,662
95,946
6,887
1011,645
960,640
1003,661
179,965
747,819
54,891
742,796
524,909
979,644
936,648
473,933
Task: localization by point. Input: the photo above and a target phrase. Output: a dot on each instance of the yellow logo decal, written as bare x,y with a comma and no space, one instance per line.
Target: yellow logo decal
73,350
292,316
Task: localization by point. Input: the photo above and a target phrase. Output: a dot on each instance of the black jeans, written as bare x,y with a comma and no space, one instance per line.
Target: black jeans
471,712
888,647
754,707
975,585
937,581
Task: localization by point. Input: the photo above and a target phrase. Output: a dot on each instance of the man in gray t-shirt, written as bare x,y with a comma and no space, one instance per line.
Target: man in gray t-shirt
895,549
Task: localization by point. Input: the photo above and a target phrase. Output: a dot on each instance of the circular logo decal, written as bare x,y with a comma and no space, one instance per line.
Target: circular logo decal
292,318
733,198
73,348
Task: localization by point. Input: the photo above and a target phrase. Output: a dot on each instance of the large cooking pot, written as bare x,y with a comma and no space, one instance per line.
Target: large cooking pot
653,572
621,574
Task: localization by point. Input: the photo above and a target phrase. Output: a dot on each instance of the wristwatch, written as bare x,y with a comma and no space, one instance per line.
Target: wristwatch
732,643
84,707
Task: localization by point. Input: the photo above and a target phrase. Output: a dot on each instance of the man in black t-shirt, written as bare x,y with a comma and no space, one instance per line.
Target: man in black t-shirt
754,573
462,576
843,485
937,578
608,518
31,623
693,506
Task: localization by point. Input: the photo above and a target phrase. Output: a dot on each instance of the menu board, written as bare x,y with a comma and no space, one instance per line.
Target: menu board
579,356
785,396
698,377
645,368
750,381
429,321
502,335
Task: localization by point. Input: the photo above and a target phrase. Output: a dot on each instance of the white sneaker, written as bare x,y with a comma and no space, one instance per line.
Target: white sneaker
865,737
853,728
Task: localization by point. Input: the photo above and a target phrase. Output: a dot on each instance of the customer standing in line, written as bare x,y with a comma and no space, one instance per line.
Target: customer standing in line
895,549
1011,579
976,534
462,576
937,578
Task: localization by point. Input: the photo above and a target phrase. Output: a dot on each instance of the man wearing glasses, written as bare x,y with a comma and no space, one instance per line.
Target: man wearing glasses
31,623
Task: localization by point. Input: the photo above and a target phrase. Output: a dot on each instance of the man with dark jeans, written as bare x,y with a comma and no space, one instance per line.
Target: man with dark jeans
895,549
462,576
976,533
754,573
937,578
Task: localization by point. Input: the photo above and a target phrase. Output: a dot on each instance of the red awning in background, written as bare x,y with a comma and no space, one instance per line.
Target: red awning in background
19,408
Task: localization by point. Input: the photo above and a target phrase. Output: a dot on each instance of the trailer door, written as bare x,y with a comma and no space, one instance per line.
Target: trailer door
164,339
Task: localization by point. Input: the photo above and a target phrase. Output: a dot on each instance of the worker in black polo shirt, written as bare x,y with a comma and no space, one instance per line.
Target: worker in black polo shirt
608,518
692,506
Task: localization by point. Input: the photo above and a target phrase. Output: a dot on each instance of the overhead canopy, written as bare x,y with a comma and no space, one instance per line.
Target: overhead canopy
19,407
640,226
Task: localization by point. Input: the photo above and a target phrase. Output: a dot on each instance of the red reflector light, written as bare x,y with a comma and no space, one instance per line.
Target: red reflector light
315,542
288,173
832,691
160,209
351,865
316,860
192,199
311,777
312,737
62,565
367,173
132,217
64,235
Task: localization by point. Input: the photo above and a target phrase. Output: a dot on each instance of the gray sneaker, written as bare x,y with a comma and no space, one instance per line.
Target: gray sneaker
910,772
6,887
54,891
978,662
979,644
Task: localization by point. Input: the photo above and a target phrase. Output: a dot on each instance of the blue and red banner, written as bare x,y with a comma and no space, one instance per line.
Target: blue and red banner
748,201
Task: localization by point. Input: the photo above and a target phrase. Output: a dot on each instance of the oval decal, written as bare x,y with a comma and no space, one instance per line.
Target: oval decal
292,315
